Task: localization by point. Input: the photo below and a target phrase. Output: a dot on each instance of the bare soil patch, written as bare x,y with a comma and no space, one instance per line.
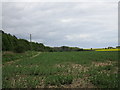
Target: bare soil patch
97,64
79,83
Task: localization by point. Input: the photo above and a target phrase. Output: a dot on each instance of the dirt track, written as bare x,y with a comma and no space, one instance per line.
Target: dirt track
11,62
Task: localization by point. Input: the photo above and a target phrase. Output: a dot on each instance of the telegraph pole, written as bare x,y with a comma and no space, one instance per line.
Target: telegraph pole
31,42
30,37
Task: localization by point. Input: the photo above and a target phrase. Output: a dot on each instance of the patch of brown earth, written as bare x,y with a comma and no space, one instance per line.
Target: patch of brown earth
97,64
111,63
79,67
73,67
79,83
59,65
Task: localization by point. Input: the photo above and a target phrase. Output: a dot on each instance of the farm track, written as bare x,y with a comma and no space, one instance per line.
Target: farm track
11,62
36,55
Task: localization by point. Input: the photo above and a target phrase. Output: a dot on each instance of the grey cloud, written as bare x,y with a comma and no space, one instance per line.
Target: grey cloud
50,23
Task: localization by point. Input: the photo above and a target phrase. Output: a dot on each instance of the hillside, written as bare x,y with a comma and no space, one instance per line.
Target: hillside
12,43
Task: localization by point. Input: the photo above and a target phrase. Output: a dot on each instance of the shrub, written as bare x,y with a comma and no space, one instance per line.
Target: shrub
19,49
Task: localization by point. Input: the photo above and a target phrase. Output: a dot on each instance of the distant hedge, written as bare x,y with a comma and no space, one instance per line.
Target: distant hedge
12,43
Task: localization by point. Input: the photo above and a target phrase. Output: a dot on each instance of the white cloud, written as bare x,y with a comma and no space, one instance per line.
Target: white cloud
61,1
66,20
77,37
56,24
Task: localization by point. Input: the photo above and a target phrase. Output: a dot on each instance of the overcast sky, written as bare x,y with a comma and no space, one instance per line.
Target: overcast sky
79,24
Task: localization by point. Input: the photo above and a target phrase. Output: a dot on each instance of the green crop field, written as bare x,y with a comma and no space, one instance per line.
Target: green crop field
85,69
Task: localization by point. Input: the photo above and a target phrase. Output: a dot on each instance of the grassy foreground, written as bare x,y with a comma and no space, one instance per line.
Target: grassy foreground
63,69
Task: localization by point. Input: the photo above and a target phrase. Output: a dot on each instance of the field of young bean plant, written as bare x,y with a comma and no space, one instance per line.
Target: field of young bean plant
85,69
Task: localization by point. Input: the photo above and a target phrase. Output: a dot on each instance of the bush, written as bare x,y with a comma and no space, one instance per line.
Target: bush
19,49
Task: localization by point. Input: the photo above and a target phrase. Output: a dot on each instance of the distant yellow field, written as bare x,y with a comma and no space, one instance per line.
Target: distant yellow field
108,50
100,49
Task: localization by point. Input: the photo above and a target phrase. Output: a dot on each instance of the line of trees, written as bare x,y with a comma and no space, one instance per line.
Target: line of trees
66,48
12,43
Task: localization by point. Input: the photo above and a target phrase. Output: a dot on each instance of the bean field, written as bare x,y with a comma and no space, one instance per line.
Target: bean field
84,69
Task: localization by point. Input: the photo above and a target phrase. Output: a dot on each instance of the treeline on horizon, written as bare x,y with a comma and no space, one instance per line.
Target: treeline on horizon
12,43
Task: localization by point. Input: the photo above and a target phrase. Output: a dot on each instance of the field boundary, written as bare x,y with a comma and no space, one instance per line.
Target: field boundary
11,62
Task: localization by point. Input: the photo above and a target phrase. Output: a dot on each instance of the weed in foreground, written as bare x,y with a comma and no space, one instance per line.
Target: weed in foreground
104,80
58,80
